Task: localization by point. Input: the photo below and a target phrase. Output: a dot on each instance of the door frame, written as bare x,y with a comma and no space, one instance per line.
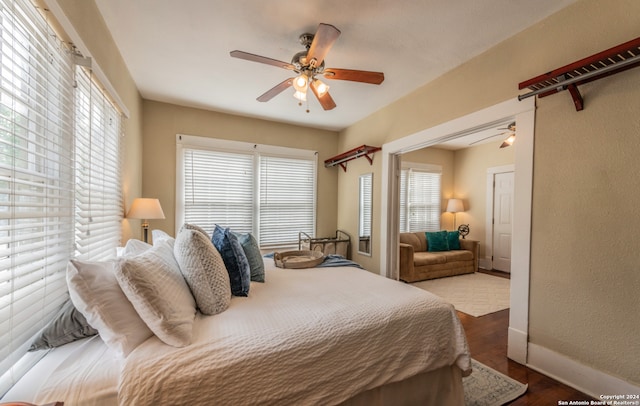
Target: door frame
523,112
487,261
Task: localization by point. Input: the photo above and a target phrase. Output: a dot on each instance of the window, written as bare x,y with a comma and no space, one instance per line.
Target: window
42,184
97,171
420,197
268,191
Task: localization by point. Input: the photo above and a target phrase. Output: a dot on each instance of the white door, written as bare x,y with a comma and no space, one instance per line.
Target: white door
502,220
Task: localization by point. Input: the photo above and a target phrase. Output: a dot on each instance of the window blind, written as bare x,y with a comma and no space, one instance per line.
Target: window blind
60,191
99,207
266,190
419,200
36,179
366,208
218,189
287,200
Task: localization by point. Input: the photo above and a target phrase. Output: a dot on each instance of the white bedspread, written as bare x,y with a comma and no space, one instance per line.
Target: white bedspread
306,336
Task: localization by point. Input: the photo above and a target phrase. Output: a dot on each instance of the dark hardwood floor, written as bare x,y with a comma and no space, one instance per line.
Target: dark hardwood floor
487,337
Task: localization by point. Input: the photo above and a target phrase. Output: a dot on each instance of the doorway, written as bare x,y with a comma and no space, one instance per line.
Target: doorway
523,112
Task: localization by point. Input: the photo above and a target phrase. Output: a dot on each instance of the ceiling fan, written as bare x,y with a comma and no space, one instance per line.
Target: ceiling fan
511,129
310,63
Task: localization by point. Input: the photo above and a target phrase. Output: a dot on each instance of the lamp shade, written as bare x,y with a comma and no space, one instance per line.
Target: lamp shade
455,206
146,209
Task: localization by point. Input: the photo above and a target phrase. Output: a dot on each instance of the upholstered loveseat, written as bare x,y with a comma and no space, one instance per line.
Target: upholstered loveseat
417,263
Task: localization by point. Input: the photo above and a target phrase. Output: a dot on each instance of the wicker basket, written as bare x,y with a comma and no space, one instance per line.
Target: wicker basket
298,259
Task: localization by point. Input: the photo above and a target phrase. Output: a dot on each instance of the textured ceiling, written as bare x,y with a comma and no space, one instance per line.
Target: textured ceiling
178,51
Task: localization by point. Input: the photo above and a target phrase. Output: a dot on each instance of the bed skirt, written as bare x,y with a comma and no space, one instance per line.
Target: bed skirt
442,386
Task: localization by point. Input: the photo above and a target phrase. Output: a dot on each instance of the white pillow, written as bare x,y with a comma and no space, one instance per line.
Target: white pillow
153,283
135,247
159,235
95,292
204,270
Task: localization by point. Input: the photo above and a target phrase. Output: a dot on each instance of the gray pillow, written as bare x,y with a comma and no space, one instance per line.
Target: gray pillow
67,326
204,270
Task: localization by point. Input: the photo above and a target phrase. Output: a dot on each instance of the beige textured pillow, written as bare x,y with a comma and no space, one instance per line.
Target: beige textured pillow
204,270
155,287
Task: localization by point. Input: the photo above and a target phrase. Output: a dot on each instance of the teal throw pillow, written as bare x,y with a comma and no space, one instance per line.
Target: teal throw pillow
254,256
453,238
437,241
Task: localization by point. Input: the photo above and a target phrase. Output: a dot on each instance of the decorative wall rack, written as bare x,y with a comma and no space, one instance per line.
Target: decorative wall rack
342,159
606,63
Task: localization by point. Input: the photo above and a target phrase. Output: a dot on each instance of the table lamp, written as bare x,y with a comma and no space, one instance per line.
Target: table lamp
145,209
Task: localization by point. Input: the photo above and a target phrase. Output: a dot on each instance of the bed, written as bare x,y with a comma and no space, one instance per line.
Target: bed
325,335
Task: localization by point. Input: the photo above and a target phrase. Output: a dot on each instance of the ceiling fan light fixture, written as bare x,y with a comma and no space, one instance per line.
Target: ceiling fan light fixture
509,141
302,96
300,83
321,87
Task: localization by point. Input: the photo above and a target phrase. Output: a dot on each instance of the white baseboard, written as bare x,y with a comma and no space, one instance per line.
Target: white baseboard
517,346
579,376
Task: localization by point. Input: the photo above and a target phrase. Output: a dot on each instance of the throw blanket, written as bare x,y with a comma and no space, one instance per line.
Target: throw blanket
315,337
338,260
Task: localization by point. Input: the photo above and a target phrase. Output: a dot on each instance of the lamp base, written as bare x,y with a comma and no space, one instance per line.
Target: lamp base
145,231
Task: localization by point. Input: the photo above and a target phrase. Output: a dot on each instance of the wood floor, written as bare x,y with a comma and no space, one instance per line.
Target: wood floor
487,337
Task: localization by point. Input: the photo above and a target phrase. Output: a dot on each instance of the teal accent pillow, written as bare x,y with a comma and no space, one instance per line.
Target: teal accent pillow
437,241
254,256
453,238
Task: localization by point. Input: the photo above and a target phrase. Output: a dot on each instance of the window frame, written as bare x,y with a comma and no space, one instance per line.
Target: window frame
185,142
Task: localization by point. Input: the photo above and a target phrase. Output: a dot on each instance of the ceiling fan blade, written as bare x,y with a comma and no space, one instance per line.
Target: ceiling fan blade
485,138
322,42
261,59
326,101
374,78
276,90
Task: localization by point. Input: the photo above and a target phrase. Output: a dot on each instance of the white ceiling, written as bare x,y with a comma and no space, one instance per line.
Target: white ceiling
178,51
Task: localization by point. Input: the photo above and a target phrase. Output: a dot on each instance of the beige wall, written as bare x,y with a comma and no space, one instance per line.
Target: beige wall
163,121
88,22
470,185
585,275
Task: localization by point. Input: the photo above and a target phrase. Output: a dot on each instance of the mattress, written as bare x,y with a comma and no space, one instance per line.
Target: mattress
84,372
306,336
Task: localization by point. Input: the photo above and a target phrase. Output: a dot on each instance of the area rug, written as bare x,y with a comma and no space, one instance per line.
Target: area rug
488,387
476,294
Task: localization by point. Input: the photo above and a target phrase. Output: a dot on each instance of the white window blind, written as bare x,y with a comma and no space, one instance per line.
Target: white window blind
420,199
52,205
268,191
218,189
97,171
287,199
36,179
366,206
